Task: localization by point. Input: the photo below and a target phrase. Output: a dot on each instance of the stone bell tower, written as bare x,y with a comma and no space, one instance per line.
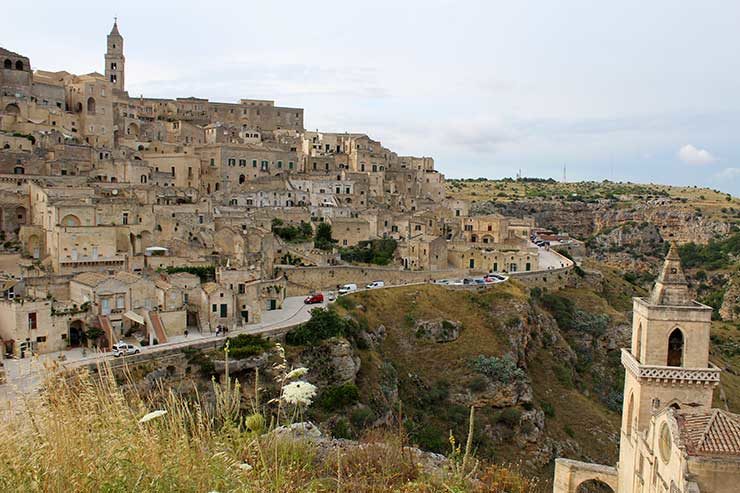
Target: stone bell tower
114,59
668,361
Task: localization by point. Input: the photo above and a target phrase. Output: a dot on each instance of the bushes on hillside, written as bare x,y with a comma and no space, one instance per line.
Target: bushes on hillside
323,239
569,317
245,346
206,273
379,252
503,369
338,397
303,232
323,324
712,256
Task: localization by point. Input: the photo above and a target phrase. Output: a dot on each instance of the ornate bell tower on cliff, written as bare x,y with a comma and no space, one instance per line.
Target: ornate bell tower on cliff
114,59
668,362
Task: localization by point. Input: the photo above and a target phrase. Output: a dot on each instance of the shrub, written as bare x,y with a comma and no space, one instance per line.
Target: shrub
341,429
510,417
291,233
323,239
548,409
206,273
324,324
346,302
245,346
362,417
478,384
338,397
502,369
379,252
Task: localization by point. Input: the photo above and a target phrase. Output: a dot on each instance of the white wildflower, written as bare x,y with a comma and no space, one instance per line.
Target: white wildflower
245,467
296,373
152,415
299,392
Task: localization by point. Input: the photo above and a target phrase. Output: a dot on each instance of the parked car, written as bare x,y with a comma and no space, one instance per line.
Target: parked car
493,278
375,284
331,296
444,282
124,349
347,288
479,281
467,281
314,298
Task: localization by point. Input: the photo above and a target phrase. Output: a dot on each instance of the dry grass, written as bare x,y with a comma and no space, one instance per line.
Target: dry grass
85,434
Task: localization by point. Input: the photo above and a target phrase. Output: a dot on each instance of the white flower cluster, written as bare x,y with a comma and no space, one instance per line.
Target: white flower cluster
299,393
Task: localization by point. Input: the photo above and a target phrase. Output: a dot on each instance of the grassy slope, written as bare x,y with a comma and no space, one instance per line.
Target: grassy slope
577,417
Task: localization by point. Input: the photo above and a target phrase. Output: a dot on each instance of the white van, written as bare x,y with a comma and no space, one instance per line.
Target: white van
375,284
347,288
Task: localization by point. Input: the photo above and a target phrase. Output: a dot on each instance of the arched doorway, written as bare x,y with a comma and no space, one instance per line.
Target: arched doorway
91,105
20,214
7,64
70,220
77,335
34,246
19,65
675,348
594,486
13,109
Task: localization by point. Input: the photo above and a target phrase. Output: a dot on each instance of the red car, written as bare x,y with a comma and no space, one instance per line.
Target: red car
314,298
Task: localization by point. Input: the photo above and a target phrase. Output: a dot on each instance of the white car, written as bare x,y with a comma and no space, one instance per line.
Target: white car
375,284
347,288
124,349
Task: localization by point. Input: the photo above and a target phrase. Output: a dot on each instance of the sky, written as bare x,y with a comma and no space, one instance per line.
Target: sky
626,91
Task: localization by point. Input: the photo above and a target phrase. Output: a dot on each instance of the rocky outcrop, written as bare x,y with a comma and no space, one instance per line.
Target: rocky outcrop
333,362
673,219
438,330
237,365
730,309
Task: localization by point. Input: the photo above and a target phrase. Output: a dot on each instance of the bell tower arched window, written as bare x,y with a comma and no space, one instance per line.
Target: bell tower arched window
675,348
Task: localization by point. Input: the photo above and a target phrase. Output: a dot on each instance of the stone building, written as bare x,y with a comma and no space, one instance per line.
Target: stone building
671,439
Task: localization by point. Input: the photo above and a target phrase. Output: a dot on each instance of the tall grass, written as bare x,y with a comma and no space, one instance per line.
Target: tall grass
85,433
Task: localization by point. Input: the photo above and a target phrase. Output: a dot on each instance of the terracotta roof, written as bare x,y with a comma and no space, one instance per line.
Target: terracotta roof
714,432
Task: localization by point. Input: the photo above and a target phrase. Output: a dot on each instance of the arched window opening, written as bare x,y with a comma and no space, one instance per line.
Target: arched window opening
675,348
594,486
242,179
675,406
19,65
91,105
638,343
8,64
70,220
78,108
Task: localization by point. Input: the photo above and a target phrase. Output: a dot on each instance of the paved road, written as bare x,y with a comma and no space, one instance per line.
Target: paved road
24,376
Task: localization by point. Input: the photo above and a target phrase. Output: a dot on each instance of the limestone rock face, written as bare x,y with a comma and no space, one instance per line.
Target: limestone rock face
438,330
237,365
333,362
500,395
730,309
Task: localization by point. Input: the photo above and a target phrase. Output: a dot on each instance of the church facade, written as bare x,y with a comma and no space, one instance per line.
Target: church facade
671,439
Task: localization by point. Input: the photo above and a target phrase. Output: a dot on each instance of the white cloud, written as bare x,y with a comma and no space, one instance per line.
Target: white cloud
728,174
691,155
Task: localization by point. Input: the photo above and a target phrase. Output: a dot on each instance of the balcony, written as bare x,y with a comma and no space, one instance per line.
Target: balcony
670,373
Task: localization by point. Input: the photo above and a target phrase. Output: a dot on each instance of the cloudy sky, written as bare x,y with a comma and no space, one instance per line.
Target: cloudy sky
628,90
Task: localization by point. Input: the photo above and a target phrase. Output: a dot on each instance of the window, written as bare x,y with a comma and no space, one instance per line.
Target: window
113,66
41,339
213,162
243,163
214,308
120,302
32,321
290,164
254,163
242,288
675,348
280,165
232,162
125,218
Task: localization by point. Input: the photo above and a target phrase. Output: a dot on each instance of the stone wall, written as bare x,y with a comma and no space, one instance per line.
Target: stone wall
301,280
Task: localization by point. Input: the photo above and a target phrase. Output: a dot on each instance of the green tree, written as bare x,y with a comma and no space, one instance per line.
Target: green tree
323,239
